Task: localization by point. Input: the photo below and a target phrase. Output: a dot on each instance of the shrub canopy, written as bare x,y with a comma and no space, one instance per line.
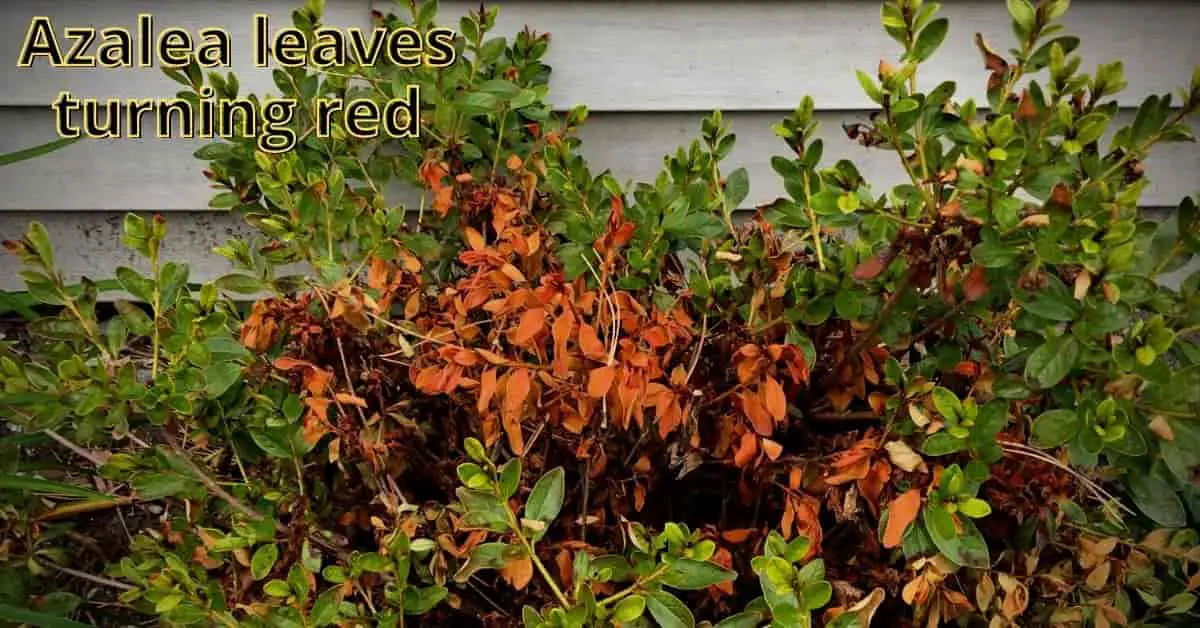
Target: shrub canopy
546,397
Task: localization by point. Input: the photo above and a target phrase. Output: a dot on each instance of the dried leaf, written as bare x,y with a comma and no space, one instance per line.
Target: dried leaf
901,512
1026,110
1162,428
515,395
532,323
600,381
518,572
976,286
903,456
759,418
771,448
589,342
774,398
487,389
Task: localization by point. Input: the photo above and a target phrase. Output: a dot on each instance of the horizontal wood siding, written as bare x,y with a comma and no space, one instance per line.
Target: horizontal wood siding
662,56
648,71
154,175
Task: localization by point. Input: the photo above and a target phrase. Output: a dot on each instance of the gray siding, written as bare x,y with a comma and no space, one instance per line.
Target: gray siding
648,71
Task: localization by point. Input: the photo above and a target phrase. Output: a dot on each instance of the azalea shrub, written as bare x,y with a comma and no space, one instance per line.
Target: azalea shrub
539,396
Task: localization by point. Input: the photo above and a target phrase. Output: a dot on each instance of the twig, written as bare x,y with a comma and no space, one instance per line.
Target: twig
861,341
208,482
863,415
699,348
83,575
79,451
1097,492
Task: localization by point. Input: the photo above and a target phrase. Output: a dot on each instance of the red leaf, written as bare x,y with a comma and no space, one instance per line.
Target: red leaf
976,286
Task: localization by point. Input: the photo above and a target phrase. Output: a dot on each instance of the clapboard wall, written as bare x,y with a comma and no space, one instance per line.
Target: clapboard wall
648,71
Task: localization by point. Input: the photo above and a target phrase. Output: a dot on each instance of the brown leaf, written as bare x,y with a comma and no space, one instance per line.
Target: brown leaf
903,456
901,512
992,61
1162,428
774,398
1026,110
518,572
1062,196
976,286
875,265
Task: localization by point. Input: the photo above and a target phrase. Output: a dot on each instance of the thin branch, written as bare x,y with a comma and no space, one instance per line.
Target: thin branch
79,451
83,575
208,482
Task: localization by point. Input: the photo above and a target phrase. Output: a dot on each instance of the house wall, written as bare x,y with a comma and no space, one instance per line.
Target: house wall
647,70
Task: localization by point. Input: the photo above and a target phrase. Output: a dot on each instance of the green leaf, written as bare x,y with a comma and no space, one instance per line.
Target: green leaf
241,284
154,486
668,611
975,508
629,609
1055,427
1051,362
966,548
546,498
34,618
689,574
263,560
1023,14
1156,498
930,39
745,619
737,187
421,600
947,404
219,377
816,594
14,482
943,443
277,588
36,151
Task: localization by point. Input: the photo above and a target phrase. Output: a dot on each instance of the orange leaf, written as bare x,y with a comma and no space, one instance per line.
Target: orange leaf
474,239
518,572
771,448
760,419
747,449
1026,110
532,323
738,535
600,381
351,399
774,399
487,389
901,512
589,342
515,394
285,363
976,286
